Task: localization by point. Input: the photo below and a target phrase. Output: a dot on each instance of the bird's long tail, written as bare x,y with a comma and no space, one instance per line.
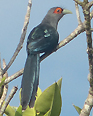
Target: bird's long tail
30,80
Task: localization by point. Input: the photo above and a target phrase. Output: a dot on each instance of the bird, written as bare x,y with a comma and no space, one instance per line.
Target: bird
42,39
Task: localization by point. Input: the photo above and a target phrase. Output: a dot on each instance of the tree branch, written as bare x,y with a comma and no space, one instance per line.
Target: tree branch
14,76
20,45
89,101
79,2
0,69
5,89
91,29
78,14
13,91
90,4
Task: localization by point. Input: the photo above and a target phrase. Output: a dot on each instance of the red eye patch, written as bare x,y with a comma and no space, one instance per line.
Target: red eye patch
58,10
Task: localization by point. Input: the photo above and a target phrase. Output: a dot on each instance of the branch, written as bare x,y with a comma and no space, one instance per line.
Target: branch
89,101
2,87
20,45
90,4
13,91
89,40
5,89
91,29
4,65
85,1
79,2
78,14
14,76
91,14
0,69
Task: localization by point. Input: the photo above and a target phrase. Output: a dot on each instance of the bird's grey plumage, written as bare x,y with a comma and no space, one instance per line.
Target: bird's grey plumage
30,80
43,38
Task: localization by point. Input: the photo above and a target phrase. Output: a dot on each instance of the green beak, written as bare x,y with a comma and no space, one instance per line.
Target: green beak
65,11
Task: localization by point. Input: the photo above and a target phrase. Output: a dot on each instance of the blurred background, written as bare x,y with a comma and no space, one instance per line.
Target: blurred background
70,62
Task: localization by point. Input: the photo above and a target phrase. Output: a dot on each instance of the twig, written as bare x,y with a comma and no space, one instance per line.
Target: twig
20,45
90,4
91,29
13,91
91,14
78,14
89,101
14,76
4,65
1,88
5,89
3,95
89,40
78,2
85,1
0,69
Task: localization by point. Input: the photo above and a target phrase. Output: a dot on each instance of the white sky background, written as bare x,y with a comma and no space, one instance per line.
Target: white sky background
70,61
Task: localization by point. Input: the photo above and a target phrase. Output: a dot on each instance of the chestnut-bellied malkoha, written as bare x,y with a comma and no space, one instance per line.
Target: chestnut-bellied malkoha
42,39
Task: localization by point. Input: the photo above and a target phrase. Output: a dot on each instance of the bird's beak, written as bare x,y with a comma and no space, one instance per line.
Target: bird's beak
65,11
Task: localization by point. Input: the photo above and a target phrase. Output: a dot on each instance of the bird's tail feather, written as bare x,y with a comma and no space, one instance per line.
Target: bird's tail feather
30,80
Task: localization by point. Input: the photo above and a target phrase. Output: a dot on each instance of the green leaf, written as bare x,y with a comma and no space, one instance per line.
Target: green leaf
40,114
47,100
19,111
10,111
20,95
48,113
77,109
2,81
59,83
39,92
15,108
29,112
56,102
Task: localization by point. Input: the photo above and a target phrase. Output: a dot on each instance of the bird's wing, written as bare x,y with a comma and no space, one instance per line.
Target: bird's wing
40,39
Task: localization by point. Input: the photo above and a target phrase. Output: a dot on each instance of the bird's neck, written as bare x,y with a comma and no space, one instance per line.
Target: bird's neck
50,21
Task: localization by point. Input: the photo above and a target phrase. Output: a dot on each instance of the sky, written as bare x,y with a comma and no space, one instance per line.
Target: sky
69,62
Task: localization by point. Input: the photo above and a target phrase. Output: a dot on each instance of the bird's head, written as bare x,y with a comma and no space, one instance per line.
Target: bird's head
54,15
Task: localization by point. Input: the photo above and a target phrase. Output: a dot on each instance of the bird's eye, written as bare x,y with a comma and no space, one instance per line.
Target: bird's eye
58,10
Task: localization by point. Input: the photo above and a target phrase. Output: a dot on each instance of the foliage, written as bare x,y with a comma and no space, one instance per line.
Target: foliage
48,103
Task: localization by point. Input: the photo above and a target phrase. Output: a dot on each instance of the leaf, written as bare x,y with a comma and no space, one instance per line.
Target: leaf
20,95
15,108
47,99
59,83
48,113
29,112
56,103
40,114
2,81
43,103
19,111
10,111
77,109
39,92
